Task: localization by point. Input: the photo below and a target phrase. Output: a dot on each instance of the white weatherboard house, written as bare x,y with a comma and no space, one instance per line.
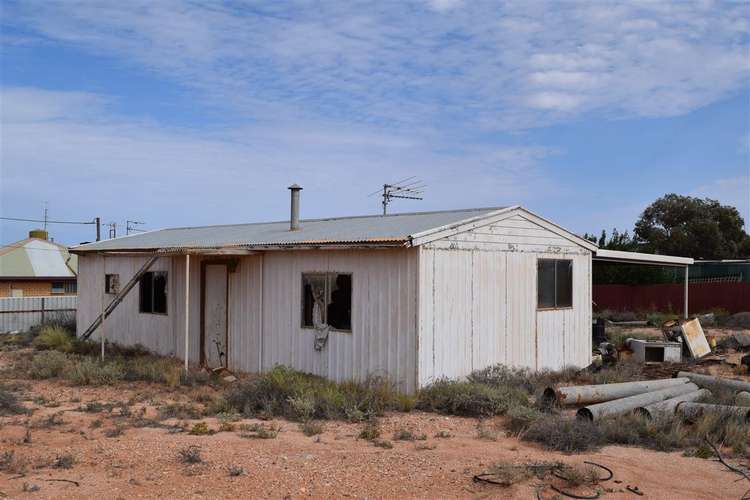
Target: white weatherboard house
412,296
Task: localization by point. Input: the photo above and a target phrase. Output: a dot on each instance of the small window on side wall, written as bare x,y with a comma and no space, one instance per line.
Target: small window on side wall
327,301
111,283
554,283
153,293
58,287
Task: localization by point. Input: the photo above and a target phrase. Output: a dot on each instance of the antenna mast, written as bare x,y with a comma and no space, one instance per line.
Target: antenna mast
406,189
129,226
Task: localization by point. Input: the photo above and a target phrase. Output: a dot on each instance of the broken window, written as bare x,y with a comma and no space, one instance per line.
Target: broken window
153,290
554,283
327,301
111,283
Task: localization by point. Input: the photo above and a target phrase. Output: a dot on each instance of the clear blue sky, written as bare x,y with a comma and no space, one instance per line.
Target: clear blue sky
177,114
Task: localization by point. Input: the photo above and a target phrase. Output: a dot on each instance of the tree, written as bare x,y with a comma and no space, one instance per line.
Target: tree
692,227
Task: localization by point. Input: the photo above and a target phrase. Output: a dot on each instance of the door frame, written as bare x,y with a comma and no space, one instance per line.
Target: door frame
215,262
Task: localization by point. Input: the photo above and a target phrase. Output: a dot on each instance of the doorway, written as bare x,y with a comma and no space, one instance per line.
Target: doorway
214,314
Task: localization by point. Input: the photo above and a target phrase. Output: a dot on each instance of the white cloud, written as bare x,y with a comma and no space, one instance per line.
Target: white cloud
506,65
444,5
125,169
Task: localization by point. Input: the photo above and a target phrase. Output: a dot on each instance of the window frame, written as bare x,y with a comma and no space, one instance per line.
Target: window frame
326,275
111,288
60,290
555,307
71,287
151,275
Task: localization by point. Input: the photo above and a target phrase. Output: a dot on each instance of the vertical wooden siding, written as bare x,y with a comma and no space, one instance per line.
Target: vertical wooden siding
478,301
384,298
126,325
383,337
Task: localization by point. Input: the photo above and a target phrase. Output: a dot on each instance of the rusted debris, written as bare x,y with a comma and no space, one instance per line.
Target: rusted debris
695,339
634,489
588,394
692,411
710,382
624,405
667,408
742,398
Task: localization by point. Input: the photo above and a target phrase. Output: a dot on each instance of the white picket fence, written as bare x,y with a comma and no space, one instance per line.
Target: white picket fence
22,313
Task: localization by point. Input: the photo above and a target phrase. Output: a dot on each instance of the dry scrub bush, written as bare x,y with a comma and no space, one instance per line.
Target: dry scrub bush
299,396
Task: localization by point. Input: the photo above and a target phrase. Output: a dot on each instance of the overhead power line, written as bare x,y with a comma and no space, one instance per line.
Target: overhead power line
16,219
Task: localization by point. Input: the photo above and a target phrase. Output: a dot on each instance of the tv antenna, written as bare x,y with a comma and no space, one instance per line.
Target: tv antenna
130,226
410,188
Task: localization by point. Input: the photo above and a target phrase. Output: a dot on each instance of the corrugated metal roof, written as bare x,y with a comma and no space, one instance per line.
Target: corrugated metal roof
373,229
37,258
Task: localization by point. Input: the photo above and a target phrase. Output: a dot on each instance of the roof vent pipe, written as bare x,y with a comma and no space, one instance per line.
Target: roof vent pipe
295,189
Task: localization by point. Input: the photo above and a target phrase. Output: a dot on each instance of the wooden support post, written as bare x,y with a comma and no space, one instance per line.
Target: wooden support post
187,312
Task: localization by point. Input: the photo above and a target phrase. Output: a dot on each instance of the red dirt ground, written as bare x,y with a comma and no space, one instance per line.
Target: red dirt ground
143,462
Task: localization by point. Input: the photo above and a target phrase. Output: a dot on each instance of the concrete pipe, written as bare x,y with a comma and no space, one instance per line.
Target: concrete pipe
693,411
588,394
667,407
742,398
624,405
709,382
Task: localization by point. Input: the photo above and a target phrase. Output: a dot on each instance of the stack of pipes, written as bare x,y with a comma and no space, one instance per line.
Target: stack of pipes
653,398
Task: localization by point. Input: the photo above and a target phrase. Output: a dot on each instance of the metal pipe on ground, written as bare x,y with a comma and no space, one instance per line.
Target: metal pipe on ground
667,407
742,398
693,411
588,394
709,382
624,405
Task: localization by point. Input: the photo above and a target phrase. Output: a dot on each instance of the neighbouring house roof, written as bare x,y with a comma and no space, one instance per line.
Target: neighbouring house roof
36,258
373,230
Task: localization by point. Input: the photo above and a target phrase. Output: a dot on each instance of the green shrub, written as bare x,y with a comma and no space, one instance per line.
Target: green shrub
260,431
311,428
521,417
87,371
151,368
370,431
54,338
201,429
299,396
181,411
564,434
49,364
470,399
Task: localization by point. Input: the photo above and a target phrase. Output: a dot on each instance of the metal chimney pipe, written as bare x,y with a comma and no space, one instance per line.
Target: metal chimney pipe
294,223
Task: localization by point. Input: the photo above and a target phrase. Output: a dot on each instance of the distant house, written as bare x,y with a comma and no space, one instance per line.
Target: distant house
414,296
37,267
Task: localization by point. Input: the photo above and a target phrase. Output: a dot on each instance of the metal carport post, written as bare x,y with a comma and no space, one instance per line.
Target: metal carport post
647,259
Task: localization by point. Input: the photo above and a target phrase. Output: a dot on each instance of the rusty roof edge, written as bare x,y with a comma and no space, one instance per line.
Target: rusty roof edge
322,244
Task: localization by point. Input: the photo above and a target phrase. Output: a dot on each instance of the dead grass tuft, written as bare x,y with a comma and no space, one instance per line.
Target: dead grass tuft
190,455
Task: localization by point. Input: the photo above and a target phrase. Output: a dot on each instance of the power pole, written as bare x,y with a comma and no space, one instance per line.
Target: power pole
112,230
98,223
45,216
